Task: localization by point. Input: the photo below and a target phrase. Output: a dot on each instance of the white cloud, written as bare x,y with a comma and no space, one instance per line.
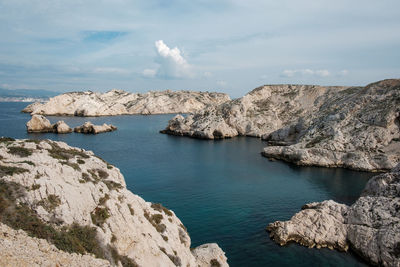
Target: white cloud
171,63
304,72
221,83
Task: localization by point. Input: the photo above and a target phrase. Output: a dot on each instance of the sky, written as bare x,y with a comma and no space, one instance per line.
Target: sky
230,46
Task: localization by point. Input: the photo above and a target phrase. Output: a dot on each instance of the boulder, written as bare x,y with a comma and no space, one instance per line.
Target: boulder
90,128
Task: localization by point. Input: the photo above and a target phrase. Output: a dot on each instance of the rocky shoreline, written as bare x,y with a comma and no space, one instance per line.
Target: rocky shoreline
63,202
351,127
370,227
118,102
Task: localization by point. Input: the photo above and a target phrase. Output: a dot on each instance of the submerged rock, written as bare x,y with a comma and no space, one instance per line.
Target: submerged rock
90,128
80,203
351,127
371,226
118,102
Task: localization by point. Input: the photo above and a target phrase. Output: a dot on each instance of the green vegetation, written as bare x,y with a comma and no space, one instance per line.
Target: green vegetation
99,215
50,203
85,178
32,141
155,220
35,186
74,166
6,139
8,170
111,185
58,152
161,208
80,161
174,258
20,151
109,166
165,238
104,199
27,162
102,174
215,263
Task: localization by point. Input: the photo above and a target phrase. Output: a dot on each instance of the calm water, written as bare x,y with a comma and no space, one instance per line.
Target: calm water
223,191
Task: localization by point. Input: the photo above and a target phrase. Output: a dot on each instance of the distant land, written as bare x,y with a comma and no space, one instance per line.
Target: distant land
25,95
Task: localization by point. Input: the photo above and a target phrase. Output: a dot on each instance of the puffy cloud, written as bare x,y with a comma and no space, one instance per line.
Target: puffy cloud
303,72
171,63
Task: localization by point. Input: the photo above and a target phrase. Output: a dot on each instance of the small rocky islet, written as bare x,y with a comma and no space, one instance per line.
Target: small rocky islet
330,126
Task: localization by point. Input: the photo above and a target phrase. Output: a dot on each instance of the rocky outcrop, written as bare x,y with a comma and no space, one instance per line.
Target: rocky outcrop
90,128
80,204
317,225
40,124
118,102
371,226
351,127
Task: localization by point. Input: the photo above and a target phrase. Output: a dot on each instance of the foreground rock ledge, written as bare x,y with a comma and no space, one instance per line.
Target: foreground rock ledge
371,226
330,126
61,193
118,102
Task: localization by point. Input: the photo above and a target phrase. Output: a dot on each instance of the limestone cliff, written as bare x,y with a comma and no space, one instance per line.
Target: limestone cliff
80,204
352,127
371,226
118,102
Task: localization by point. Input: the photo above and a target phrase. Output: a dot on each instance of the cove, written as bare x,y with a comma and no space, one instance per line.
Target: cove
223,191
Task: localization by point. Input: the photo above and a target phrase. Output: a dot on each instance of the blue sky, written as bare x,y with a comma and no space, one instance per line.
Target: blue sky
229,46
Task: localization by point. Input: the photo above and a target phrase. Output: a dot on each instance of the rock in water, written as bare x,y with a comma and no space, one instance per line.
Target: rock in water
90,128
371,226
39,124
80,203
351,127
118,102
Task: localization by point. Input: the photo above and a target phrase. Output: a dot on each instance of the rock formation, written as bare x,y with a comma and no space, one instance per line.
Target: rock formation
352,127
371,226
118,102
90,128
40,124
79,203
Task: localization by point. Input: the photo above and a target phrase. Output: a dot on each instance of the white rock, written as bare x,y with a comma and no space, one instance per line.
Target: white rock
90,128
39,123
118,102
84,185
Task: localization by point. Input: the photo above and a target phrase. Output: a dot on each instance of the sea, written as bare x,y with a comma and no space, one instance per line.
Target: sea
223,191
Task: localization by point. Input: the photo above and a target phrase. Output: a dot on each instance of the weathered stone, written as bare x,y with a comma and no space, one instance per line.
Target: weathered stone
39,123
68,185
90,128
61,127
371,226
118,102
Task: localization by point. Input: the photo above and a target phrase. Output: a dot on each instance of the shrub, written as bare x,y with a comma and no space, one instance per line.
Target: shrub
27,162
111,185
80,161
104,199
32,141
9,170
161,208
74,166
35,186
58,152
155,220
99,215
6,139
20,151
50,203
215,263
85,177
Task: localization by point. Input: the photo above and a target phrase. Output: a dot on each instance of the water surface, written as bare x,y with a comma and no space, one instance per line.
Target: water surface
223,191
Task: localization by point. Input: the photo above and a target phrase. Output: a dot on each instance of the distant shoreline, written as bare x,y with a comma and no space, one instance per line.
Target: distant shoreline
22,99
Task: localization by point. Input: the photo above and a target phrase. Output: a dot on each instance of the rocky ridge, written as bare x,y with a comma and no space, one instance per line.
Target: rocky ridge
118,102
371,226
59,193
351,127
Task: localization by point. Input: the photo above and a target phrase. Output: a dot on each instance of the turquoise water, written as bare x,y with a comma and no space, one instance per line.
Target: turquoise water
223,191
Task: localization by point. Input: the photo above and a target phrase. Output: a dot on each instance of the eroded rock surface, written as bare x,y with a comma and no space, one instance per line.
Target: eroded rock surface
40,124
68,193
118,102
371,226
90,128
352,127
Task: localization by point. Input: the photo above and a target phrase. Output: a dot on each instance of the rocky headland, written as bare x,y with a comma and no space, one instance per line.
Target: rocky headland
331,126
118,102
62,206
370,227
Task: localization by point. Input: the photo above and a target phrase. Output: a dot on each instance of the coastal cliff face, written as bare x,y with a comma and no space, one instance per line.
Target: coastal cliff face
80,205
352,127
118,102
371,226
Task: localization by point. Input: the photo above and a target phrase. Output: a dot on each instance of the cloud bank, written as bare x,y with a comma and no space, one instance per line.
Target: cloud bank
304,72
